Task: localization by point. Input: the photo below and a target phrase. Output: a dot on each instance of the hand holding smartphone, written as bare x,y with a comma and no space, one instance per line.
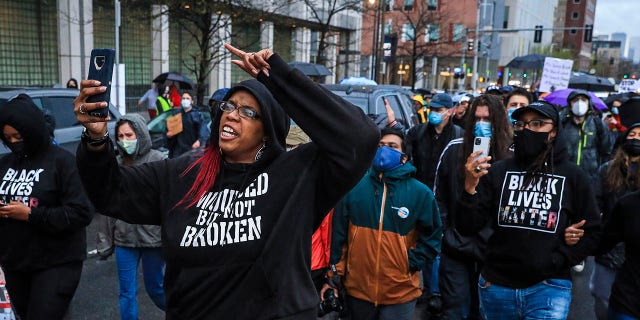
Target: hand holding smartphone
481,144
101,69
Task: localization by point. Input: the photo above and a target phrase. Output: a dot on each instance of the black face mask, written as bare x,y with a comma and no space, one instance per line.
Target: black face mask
631,147
529,144
17,148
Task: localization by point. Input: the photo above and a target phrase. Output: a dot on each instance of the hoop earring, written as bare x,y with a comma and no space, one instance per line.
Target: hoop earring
261,151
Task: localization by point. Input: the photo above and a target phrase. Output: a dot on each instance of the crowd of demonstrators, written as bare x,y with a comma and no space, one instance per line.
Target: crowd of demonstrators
136,244
528,200
462,256
194,134
617,177
236,223
149,99
43,215
390,228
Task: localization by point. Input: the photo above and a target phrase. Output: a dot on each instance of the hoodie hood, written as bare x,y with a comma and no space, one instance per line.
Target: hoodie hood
139,126
23,115
579,92
274,120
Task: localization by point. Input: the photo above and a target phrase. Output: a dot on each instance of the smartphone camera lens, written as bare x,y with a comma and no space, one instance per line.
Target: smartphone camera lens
478,141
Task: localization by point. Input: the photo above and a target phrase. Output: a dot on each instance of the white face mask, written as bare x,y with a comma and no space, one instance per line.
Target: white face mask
186,103
579,108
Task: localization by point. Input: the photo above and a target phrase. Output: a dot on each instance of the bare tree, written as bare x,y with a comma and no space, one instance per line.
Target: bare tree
415,26
323,14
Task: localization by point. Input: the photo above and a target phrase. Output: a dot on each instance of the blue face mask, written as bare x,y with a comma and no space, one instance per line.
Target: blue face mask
483,129
510,113
435,118
387,159
614,110
129,146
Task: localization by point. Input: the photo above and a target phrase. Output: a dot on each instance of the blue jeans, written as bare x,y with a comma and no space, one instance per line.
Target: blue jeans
549,299
128,260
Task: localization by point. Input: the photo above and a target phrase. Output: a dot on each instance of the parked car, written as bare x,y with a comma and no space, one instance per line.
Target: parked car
158,128
59,104
369,98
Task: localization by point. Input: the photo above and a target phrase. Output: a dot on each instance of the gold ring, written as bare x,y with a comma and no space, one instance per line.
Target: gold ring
81,109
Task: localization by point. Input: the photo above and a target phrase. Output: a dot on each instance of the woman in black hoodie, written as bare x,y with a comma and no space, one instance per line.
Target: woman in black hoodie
236,221
529,200
43,215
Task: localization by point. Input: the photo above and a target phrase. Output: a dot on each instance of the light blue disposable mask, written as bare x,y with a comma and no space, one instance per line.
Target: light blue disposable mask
435,118
510,113
129,146
186,103
483,129
615,110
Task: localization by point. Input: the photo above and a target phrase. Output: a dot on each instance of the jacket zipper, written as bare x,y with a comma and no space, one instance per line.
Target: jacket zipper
384,201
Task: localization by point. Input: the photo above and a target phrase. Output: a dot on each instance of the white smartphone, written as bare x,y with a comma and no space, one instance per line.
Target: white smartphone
481,144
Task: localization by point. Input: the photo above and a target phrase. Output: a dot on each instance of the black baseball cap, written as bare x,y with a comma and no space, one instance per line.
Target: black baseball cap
542,107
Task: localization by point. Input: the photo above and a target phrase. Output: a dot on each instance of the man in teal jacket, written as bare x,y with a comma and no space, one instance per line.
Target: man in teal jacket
390,225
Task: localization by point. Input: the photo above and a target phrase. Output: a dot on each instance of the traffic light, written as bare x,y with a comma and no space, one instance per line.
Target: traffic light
537,36
470,44
524,75
588,32
625,76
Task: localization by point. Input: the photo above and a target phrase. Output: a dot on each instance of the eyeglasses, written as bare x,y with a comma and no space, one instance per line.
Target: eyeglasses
244,112
534,125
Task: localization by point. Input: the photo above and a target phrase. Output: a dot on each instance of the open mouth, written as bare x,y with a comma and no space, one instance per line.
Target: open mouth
228,132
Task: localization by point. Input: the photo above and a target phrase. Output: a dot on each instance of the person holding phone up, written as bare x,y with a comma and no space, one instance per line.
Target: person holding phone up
43,217
528,200
236,224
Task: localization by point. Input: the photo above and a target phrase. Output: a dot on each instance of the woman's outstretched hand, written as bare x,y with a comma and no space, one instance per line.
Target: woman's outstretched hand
96,126
251,62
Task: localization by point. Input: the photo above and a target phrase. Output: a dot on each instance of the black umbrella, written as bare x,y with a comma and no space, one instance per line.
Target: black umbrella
581,80
175,77
530,61
311,69
630,110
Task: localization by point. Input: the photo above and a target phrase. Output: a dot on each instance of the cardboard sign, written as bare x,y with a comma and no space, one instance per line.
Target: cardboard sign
174,124
555,74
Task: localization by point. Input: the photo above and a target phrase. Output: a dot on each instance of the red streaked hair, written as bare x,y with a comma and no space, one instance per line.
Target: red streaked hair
209,167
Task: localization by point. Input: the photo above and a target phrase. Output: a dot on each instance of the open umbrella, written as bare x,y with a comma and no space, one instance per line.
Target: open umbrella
559,97
176,78
311,69
530,61
358,81
581,80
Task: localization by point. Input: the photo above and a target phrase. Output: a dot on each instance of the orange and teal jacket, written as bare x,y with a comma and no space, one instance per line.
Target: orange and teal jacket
384,231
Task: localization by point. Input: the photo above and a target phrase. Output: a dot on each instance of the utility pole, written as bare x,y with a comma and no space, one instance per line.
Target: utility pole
474,78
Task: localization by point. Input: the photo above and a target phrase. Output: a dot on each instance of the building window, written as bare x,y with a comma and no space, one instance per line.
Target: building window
458,32
408,32
432,4
408,5
574,31
388,28
505,19
432,33
576,1
575,15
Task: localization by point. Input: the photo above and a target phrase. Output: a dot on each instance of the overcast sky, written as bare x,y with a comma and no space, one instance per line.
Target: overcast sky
617,16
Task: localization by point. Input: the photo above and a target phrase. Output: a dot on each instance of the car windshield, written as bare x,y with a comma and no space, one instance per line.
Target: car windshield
360,102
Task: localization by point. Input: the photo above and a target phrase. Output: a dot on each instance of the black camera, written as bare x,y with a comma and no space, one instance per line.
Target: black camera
477,141
329,304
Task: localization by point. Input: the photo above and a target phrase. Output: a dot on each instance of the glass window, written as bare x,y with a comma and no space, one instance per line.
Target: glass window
459,32
505,19
432,4
59,108
575,15
388,28
408,5
395,104
408,32
29,43
574,31
432,33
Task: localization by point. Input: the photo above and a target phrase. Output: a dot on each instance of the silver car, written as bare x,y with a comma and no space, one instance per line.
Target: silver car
59,104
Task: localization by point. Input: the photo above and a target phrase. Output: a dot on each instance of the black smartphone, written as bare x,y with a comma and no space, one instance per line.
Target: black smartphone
101,69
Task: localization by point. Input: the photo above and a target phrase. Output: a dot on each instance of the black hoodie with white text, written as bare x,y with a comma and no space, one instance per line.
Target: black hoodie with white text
243,251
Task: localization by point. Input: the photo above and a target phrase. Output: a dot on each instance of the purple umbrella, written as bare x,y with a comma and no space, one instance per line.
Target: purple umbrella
559,97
